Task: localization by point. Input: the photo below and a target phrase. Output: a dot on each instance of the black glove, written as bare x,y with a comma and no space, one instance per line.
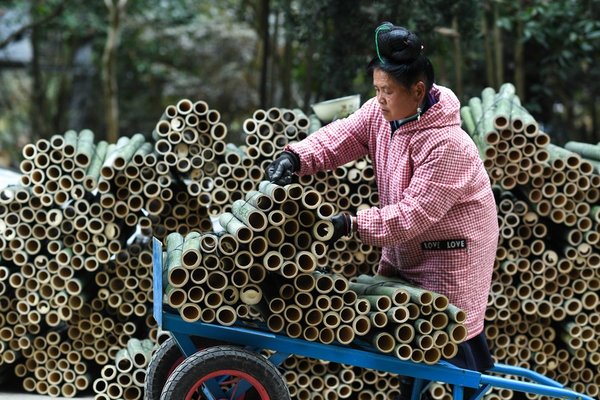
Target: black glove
342,226
281,169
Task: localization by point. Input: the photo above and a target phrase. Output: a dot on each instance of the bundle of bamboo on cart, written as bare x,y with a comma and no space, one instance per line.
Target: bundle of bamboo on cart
125,379
349,188
424,325
543,311
272,230
267,265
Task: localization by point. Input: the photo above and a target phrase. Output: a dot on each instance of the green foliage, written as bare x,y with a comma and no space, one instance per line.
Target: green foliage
318,50
563,39
335,37
205,54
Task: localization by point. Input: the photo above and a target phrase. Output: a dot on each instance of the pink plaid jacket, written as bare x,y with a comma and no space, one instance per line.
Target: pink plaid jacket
437,220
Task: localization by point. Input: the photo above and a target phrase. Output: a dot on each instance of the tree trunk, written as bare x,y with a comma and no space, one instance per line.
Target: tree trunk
593,110
64,88
288,54
80,103
458,60
286,72
489,58
575,134
441,72
264,31
310,48
498,46
566,124
38,108
519,55
274,62
109,68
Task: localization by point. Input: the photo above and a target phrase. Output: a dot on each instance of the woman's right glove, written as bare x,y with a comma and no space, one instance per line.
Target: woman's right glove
281,169
342,226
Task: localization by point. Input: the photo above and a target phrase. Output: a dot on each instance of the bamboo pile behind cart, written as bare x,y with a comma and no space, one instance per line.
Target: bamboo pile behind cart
75,277
543,312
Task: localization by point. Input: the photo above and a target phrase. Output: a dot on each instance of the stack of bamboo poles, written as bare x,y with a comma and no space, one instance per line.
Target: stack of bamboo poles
254,271
511,145
55,226
190,143
82,198
181,213
350,187
269,131
53,365
125,286
590,152
189,136
543,311
58,235
125,379
424,325
308,378
61,239
237,170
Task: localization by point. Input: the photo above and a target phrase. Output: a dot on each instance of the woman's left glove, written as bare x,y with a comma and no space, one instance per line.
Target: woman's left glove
342,226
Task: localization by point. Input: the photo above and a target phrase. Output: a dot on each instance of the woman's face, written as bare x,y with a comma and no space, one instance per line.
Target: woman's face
395,101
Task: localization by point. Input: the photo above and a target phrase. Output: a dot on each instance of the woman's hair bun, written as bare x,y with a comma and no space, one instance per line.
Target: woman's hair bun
397,44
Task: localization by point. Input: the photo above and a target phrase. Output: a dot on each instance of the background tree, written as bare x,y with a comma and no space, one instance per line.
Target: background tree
240,55
116,13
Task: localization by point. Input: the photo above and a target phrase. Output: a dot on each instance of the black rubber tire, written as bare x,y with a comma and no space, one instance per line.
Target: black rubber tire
219,358
163,362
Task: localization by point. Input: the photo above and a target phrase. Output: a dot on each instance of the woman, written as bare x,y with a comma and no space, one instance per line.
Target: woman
437,220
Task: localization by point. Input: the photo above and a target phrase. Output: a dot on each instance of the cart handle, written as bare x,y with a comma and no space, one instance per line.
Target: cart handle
529,387
525,373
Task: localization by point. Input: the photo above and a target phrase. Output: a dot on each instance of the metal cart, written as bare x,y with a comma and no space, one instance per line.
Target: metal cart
227,372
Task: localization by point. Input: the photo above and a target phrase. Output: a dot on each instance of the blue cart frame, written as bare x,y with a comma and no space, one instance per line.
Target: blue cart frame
284,346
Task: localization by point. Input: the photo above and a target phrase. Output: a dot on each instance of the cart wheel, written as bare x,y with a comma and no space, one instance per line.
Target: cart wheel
163,363
232,367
